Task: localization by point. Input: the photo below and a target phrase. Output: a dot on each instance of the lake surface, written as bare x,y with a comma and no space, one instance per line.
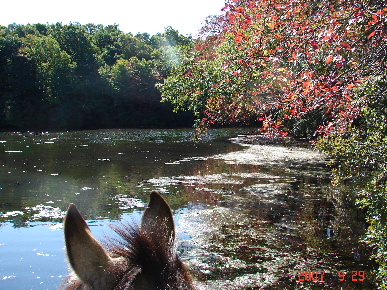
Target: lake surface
248,216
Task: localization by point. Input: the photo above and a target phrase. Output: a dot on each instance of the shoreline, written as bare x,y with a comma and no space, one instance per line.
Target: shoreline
263,139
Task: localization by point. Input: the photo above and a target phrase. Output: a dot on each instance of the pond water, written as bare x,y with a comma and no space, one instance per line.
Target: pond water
248,216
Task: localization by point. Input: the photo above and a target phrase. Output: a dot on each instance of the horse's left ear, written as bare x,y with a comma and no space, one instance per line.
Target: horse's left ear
158,219
87,257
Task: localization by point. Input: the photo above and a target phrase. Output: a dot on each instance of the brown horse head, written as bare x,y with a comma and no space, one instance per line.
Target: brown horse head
143,258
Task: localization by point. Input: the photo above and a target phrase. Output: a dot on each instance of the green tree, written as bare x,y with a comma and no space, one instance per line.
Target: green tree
108,41
209,83
84,76
55,77
90,90
134,84
55,67
20,97
358,159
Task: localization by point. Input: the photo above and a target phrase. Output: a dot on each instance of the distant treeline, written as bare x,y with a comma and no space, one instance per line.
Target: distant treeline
63,77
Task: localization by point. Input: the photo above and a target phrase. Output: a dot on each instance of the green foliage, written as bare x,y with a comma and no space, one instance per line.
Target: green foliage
55,68
85,76
358,158
210,87
20,97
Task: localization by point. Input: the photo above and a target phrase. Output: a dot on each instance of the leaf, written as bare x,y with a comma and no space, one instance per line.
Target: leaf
345,45
306,85
314,44
329,59
238,39
371,34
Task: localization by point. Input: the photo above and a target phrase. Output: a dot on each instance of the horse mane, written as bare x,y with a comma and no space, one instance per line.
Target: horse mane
158,261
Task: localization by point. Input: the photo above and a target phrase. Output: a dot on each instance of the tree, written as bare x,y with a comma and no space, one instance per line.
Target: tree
54,66
20,97
298,61
55,77
319,53
84,76
308,68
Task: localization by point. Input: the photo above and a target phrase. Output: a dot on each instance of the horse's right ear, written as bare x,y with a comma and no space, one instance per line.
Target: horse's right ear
158,219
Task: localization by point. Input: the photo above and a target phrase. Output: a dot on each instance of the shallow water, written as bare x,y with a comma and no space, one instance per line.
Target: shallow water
248,217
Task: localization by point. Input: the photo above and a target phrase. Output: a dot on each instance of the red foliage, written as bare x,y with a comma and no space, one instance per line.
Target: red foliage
310,56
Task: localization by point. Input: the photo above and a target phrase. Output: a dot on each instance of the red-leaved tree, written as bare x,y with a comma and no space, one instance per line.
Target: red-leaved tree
302,63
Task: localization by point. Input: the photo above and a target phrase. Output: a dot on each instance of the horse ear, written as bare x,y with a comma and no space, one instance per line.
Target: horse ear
87,257
158,219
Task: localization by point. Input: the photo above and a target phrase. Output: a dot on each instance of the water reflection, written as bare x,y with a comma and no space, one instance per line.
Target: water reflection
91,167
250,217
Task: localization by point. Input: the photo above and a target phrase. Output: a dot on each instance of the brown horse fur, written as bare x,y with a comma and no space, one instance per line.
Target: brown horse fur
143,258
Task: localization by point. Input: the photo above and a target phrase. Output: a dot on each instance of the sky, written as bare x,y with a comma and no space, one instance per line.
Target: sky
134,16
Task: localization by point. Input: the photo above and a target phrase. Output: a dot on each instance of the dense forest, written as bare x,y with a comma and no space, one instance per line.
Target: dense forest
61,77
311,69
